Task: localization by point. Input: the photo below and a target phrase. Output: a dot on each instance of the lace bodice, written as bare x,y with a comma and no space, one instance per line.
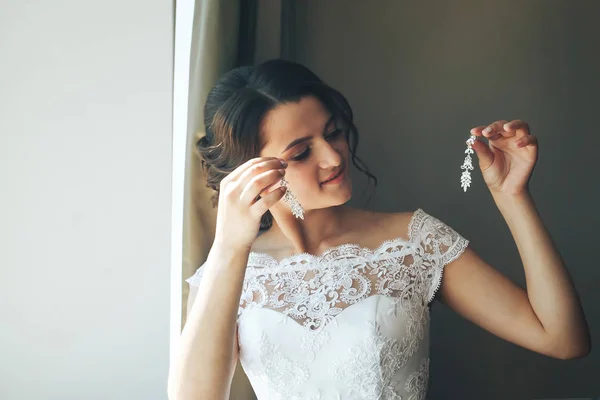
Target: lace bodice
352,323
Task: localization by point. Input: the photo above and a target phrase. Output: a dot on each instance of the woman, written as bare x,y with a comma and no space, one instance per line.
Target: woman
332,302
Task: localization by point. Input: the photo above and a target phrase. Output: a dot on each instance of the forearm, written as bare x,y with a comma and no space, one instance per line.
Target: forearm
550,289
206,359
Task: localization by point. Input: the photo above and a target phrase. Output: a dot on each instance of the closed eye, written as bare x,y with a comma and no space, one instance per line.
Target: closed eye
333,135
302,156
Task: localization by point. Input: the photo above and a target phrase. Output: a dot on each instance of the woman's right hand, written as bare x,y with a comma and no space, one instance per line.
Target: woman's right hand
240,209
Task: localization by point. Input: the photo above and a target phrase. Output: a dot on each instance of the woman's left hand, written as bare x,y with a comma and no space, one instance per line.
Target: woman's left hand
509,157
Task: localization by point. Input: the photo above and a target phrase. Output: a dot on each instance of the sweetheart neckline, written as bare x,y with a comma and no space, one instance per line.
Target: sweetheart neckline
327,323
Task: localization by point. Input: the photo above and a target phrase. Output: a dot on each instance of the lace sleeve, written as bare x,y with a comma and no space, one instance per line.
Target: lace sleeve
438,245
195,279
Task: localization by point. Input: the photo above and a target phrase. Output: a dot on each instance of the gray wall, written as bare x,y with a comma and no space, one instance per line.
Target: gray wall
419,75
85,171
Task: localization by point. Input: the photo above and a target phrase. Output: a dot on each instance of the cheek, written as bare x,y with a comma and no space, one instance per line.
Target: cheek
304,175
304,180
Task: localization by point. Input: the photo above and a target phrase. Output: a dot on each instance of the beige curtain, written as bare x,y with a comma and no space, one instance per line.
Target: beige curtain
214,51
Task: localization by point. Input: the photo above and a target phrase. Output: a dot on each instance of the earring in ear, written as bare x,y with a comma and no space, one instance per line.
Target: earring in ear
465,179
292,201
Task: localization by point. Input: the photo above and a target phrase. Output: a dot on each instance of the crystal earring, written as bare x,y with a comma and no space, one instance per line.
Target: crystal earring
465,178
292,201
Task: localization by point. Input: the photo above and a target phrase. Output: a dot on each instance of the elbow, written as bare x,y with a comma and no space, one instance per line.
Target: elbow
574,350
574,354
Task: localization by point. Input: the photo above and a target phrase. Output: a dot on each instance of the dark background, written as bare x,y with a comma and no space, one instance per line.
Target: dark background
419,75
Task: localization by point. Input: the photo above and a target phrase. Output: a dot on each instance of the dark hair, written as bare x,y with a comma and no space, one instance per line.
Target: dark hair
237,104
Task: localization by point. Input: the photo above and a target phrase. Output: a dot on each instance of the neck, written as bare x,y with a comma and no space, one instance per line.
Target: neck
312,234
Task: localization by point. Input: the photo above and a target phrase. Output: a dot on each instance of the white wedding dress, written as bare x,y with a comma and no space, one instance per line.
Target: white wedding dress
352,323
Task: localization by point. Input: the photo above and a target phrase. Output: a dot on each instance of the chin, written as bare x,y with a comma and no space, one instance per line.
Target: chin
342,195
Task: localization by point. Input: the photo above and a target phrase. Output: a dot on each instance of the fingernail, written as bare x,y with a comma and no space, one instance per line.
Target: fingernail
282,161
520,143
486,130
281,171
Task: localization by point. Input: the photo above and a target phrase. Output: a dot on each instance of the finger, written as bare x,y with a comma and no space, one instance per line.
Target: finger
267,201
484,154
496,131
516,125
477,130
527,140
239,171
258,168
260,185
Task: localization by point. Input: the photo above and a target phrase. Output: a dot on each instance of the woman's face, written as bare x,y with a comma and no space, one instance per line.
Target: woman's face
304,135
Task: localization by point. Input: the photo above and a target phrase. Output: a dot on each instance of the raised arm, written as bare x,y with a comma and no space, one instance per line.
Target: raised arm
207,353
547,316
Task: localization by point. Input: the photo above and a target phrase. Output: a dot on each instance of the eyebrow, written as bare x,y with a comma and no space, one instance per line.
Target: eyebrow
306,138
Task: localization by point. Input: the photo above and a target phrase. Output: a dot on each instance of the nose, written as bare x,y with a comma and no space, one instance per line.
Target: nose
329,156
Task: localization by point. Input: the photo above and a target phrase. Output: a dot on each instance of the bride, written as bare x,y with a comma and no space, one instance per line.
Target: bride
319,300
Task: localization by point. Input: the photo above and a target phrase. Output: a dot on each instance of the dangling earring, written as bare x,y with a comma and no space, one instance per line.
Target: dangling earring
292,201
465,178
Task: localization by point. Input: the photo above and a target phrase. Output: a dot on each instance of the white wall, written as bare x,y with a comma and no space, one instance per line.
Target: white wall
85,178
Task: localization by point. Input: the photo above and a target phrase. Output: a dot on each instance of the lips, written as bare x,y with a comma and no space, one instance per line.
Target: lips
335,175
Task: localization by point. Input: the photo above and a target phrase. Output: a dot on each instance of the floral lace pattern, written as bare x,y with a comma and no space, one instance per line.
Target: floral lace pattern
282,372
358,318
418,380
314,289
311,344
313,295
378,358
